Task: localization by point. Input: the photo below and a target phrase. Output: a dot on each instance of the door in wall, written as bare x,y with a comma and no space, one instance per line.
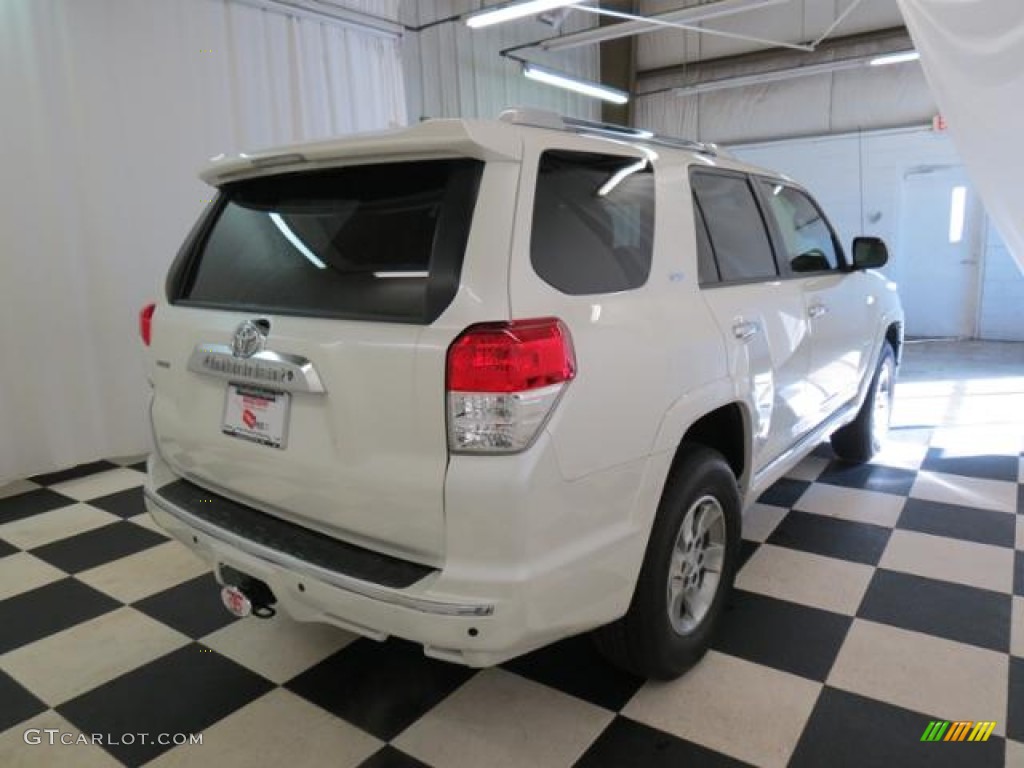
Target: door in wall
940,229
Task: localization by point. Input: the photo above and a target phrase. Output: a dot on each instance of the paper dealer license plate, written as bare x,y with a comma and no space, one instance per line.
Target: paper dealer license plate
260,415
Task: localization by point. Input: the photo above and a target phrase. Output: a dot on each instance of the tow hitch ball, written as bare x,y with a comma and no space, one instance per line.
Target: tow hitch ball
248,598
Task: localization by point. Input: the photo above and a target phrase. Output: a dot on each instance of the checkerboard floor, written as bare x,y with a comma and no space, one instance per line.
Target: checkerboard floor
872,599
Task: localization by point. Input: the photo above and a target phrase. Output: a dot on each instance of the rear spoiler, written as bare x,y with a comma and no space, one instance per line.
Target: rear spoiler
483,140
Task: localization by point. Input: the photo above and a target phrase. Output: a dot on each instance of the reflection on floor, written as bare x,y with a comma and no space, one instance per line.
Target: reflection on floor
872,600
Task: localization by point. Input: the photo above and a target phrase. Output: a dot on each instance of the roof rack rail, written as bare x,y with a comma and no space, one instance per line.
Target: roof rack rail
542,118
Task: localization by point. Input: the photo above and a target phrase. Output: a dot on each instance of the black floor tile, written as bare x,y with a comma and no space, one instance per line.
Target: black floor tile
869,477
32,615
939,608
7,549
31,503
955,522
990,467
382,688
16,704
784,492
574,666
182,692
1015,701
82,470
1018,573
192,607
98,546
849,730
776,633
390,757
747,550
832,537
629,744
824,450
123,503
138,467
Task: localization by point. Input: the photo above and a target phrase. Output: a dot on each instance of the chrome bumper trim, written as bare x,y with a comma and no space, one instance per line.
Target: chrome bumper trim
339,580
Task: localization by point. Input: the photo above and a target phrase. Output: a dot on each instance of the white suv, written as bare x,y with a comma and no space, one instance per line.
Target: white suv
488,384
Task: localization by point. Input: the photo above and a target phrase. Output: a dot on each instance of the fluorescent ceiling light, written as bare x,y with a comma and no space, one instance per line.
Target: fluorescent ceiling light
619,175
292,238
957,215
515,11
570,83
896,58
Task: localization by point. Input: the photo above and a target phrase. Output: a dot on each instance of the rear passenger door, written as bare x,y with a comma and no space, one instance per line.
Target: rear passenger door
761,316
837,302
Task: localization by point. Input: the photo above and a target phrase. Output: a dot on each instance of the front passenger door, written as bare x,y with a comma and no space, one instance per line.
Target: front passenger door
837,302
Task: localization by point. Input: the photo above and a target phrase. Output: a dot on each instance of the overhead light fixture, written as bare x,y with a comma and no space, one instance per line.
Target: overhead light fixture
515,11
895,58
587,88
292,238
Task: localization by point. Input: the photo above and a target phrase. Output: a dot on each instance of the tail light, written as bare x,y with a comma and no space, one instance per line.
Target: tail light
146,323
503,382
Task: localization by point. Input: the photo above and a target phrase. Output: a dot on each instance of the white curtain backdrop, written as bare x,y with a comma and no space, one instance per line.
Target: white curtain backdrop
973,56
107,108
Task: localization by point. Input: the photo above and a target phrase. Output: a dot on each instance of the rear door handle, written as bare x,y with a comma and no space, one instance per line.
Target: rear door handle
817,310
744,330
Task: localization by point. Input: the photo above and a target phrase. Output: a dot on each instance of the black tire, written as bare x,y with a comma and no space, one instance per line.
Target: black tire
645,640
862,438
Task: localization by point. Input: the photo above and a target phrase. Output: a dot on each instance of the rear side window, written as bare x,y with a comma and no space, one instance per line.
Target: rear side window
806,236
373,242
737,231
593,222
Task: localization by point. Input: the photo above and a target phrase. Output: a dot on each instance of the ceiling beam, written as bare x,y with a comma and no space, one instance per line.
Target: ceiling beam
654,23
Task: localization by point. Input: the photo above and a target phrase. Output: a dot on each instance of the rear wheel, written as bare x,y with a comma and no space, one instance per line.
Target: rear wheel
862,438
687,572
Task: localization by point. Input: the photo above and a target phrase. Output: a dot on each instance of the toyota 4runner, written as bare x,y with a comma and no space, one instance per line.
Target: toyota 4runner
487,384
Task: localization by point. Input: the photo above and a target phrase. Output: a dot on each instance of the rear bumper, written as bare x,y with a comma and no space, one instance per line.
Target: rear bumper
478,622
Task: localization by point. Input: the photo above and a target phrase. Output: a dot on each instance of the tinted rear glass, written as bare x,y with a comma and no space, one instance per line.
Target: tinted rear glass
738,235
593,222
372,242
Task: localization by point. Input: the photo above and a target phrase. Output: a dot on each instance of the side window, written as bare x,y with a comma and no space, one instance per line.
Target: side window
806,236
738,235
593,222
707,270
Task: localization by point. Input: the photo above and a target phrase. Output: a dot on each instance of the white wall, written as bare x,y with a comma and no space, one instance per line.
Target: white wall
858,179
109,107
454,71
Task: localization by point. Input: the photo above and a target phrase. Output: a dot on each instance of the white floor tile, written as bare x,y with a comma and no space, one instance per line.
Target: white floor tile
801,577
759,520
277,648
15,753
852,504
278,729
998,495
22,572
1017,628
962,562
37,530
100,484
947,680
17,487
62,666
745,710
145,573
501,720
809,469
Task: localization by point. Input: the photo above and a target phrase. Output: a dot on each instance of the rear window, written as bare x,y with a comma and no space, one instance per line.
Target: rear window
372,242
593,222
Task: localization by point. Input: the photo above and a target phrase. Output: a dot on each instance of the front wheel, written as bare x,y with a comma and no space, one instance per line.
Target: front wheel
687,572
862,438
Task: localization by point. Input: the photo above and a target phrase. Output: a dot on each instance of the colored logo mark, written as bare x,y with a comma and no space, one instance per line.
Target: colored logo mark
961,730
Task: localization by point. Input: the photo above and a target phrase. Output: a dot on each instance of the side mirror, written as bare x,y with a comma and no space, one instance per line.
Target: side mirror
869,253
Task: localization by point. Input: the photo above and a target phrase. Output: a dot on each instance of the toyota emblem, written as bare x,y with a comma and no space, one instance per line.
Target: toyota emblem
249,338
